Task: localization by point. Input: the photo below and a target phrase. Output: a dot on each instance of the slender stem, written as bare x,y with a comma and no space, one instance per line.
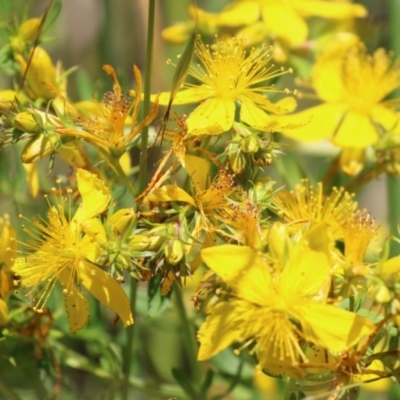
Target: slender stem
130,333
147,92
121,173
116,166
393,183
189,340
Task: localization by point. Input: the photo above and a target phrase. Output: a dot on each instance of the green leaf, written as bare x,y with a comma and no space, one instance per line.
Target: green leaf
53,14
182,379
157,304
208,380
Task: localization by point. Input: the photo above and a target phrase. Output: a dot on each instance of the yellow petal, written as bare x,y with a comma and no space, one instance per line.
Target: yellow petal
227,324
253,34
212,117
125,162
32,178
300,278
237,14
76,304
95,196
327,79
198,169
331,327
385,117
178,34
318,122
107,290
352,160
283,106
170,193
243,269
329,9
95,231
187,96
391,266
3,312
255,116
283,21
356,130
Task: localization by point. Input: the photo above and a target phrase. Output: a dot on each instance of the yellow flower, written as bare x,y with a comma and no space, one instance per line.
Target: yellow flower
276,309
286,18
209,198
353,86
8,252
61,252
206,25
358,234
227,76
109,132
304,205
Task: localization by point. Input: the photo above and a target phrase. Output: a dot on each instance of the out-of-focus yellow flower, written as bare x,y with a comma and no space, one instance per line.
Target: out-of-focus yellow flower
8,253
41,72
286,19
205,23
109,133
353,86
61,252
228,75
306,205
264,305
358,234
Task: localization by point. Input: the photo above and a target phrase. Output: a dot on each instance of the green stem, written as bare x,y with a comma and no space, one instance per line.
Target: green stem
142,185
147,93
130,333
393,183
121,173
189,339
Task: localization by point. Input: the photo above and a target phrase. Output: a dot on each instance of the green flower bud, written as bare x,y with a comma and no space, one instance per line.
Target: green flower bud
39,147
27,122
249,144
174,251
156,242
121,221
237,162
139,243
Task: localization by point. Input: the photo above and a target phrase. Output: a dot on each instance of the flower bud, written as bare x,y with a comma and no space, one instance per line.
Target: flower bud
121,221
139,243
41,70
352,160
278,241
29,29
155,242
7,99
237,162
174,251
39,147
249,144
27,122
383,294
